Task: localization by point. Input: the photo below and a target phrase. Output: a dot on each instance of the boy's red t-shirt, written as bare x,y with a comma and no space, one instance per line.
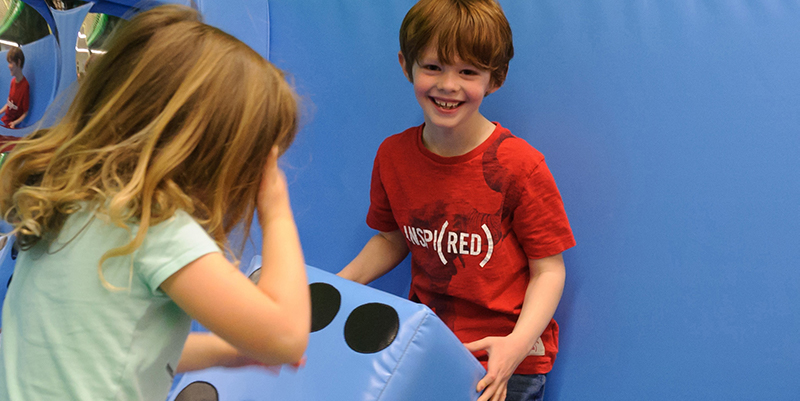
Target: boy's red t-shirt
18,100
7,143
471,223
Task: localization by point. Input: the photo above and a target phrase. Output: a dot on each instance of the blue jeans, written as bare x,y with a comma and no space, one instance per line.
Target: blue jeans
526,388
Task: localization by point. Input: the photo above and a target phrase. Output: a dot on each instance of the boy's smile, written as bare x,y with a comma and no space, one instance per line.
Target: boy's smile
444,104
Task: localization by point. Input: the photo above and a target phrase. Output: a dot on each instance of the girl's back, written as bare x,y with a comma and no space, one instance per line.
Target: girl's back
66,334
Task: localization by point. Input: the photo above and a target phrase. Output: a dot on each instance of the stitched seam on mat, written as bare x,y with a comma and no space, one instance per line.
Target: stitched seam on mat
402,356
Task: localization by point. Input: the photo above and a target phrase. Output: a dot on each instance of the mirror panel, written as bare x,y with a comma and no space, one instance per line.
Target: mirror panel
92,38
23,26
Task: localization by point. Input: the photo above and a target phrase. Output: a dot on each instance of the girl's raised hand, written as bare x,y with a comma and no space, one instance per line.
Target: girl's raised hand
273,195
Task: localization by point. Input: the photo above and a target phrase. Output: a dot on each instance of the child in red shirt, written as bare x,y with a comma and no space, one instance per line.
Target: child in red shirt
16,108
476,206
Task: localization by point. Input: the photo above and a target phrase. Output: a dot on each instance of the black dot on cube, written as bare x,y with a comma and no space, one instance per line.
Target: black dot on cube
325,303
371,327
255,275
198,391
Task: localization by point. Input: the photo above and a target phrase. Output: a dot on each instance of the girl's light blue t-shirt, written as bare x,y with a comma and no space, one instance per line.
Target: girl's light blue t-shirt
66,337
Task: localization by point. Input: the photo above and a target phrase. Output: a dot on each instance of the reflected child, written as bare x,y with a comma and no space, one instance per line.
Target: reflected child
16,107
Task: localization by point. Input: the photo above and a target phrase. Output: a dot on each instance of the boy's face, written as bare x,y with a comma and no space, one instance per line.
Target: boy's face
450,95
13,67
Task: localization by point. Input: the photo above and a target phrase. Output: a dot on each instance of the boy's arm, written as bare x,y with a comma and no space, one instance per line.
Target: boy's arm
14,123
382,253
506,353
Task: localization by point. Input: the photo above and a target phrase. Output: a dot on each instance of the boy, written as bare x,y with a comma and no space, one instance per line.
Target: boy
476,206
16,109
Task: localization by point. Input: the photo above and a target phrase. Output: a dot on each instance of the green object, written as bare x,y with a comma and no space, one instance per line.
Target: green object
98,28
3,157
13,13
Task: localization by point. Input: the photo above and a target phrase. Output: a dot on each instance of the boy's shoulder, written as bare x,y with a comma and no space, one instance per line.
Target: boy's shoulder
514,153
21,83
405,139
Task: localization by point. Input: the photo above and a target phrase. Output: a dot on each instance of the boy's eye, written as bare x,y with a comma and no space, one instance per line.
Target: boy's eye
469,72
430,67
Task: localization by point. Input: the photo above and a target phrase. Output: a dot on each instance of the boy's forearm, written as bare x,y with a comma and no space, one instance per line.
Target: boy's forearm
382,253
19,120
541,299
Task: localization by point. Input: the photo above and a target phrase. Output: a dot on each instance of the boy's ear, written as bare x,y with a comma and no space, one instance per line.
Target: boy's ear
493,86
402,61
492,89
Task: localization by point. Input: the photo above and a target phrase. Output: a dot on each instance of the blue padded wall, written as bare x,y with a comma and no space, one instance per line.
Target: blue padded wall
672,131
404,353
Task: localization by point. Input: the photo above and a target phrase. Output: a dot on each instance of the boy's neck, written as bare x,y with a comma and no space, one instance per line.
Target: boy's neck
457,141
18,76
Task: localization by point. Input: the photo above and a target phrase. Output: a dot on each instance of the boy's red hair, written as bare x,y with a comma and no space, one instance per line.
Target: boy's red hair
476,31
15,55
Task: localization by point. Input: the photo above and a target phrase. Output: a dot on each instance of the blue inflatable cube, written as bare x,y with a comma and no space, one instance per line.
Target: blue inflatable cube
365,345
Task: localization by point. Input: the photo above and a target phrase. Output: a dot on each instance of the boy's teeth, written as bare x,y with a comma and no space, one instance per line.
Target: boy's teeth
446,105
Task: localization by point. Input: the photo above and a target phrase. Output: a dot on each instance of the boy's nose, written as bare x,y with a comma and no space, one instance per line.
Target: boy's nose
447,82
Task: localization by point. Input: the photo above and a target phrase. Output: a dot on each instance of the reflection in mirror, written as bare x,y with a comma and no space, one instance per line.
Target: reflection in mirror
20,25
64,4
33,74
95,30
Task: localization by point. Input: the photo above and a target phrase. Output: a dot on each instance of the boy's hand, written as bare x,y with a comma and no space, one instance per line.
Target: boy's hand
505,354
273,195
12,124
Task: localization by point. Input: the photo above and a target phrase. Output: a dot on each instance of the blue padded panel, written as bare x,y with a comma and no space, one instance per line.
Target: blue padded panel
425,360
69,23
247,20
6,264
342,56
111,8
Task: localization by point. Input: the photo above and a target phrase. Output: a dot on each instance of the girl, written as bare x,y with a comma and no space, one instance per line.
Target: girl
122,210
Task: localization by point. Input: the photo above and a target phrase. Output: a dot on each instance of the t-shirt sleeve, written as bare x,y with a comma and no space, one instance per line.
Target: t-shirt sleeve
540,222
25,100
168,247
379,216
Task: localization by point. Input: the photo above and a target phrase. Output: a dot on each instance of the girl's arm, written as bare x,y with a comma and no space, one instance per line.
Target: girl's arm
381,254
206,350
269,322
